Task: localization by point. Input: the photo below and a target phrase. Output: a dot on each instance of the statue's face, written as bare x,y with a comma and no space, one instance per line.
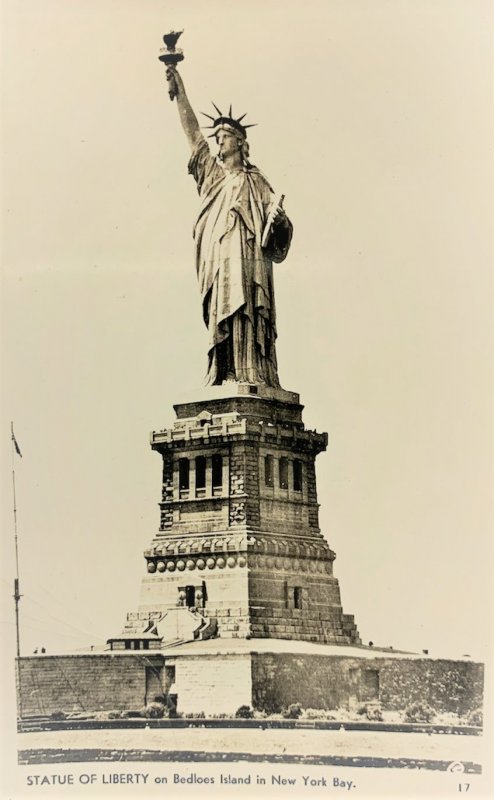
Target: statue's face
228,143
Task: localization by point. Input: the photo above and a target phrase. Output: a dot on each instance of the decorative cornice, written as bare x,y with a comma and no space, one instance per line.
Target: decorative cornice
252,539
277,547
204,426
201,562
196,431
214,560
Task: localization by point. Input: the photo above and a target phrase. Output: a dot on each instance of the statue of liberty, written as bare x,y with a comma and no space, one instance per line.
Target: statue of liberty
241,229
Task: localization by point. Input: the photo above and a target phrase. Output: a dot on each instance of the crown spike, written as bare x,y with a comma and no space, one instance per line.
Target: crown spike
252,125
241,118
217,109
208,116
230,113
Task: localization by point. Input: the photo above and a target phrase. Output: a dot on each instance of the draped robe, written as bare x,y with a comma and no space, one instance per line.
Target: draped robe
234,271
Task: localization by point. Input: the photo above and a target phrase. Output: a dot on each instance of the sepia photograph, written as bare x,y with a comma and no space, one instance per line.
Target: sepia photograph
247,395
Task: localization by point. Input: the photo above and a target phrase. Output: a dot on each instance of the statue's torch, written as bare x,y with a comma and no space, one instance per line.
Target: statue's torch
170,55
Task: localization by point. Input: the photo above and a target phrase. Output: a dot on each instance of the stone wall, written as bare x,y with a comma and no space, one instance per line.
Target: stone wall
316,614
213,684
89,682
342,681
217,683
450,685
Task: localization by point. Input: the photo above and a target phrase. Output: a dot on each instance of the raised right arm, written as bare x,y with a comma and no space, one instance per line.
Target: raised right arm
187,116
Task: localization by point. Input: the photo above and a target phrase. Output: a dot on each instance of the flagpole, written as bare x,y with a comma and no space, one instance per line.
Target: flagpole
17,595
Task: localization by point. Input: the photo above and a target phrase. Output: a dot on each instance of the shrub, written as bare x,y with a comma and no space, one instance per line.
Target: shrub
195,715
154,710
244,712
318,713
372,713
115,714
293,711
271,706
313,713
419,712
58,715
475,717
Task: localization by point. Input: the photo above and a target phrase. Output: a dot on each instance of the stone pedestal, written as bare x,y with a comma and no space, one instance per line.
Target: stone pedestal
239,550
239,604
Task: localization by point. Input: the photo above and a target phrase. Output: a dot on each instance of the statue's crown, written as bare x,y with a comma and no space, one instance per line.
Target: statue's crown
228,120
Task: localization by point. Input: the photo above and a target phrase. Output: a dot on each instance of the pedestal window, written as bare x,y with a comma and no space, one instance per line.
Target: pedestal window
283,466
200,476
183,476
268,471
297,475
217,470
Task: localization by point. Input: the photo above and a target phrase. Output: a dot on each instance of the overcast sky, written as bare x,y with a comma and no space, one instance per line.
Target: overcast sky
375,120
